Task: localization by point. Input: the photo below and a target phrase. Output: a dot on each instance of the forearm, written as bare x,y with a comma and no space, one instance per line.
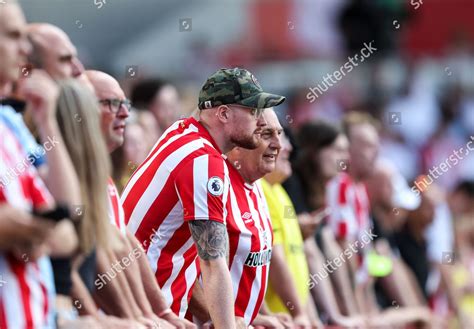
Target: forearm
134,279
396,285
401,316
413,284
454,295
197,304
125,286
218,293
152,290
341,277
311,310
81,297
279,272
212,244
109,295
264,309
60,178
322,290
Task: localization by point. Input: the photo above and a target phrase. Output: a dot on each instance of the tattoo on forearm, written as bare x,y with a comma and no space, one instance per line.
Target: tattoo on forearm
210,237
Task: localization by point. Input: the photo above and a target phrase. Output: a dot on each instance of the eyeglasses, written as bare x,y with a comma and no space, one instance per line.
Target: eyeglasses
115,104
256,112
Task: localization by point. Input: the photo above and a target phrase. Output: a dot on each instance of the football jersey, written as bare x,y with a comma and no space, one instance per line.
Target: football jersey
250,244
349,207
349,216
114,207
26,287
183,178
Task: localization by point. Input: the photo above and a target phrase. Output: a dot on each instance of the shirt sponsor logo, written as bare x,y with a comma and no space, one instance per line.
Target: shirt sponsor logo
259,258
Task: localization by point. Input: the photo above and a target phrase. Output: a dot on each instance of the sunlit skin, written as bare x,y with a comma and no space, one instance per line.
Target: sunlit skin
256,163
14,46
112,125
327,158
58,54
363,150
233,126
423,216
282,166
246,128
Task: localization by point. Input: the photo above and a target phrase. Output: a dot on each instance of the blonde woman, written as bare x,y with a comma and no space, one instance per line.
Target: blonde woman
79,121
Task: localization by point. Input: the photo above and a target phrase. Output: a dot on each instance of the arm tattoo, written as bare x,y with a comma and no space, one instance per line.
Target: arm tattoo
210,237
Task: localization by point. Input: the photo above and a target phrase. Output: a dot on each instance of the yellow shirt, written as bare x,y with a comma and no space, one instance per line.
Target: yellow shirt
286,232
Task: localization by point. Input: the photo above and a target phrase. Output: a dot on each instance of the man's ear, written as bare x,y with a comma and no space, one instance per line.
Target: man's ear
223,113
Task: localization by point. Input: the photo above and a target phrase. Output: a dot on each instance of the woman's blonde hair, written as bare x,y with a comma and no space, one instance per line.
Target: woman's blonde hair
79,121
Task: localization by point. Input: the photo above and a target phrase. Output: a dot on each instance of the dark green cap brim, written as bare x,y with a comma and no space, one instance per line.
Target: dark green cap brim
262,100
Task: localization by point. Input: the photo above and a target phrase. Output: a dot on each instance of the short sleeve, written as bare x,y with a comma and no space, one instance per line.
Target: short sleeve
36,153
276,213
202,185
40,195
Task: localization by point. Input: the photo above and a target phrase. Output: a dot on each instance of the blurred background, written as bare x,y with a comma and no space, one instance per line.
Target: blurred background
422,69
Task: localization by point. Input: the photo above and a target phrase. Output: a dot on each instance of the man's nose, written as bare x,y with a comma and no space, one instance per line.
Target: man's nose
123,112
25,47
277,143
77,67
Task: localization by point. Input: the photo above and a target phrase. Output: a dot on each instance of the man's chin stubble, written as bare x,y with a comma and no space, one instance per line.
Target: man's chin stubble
249,144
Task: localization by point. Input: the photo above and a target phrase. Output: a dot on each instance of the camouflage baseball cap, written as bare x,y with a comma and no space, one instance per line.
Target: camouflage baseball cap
235,86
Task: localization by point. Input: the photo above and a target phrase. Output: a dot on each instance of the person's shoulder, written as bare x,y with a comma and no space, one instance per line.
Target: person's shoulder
9,116
234,174
7,110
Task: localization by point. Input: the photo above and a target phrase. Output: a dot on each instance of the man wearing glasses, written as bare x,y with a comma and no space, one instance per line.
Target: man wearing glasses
179,193
146,301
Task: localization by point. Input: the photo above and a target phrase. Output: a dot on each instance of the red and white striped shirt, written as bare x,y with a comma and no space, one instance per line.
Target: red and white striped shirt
114,207
26,287
349,205
250,244
183,178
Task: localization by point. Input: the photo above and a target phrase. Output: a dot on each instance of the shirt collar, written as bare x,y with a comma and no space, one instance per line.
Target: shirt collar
202,132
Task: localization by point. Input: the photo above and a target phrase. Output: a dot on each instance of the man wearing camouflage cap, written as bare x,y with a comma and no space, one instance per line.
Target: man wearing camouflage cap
179,194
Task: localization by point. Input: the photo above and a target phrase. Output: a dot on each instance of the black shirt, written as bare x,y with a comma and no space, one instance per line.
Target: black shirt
414,253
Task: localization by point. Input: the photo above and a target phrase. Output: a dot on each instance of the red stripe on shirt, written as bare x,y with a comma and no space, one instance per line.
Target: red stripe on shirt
19,270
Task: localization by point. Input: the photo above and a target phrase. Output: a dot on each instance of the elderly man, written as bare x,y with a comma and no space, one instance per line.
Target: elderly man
136,283
248,221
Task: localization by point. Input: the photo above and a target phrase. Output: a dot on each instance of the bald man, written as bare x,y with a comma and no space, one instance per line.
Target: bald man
53,51
25,273
139,286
